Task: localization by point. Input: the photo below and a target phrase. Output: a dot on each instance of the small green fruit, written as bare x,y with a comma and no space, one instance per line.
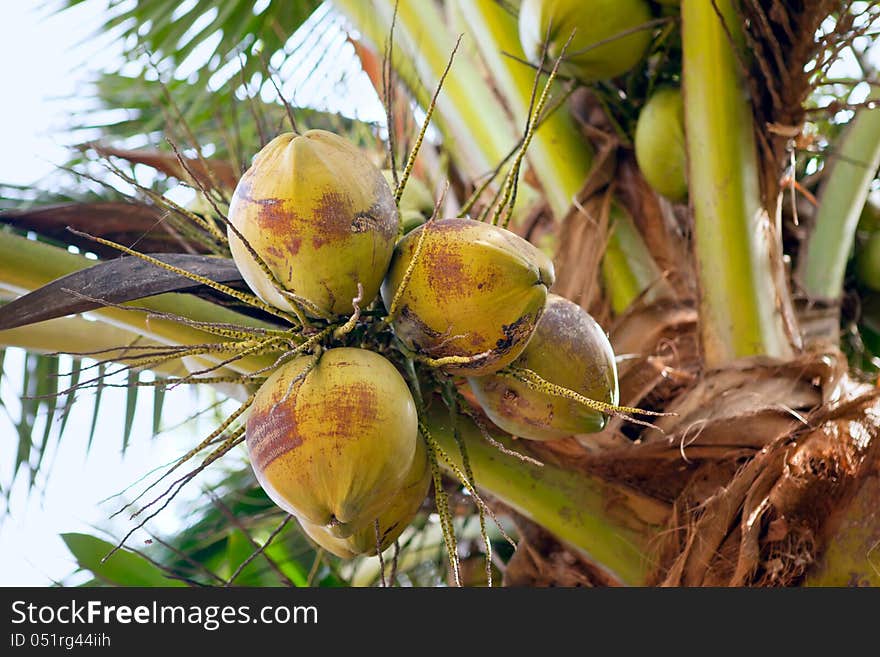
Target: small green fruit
333,446
868,262
476,292
660,145
320,215
869,219
592,21
568,349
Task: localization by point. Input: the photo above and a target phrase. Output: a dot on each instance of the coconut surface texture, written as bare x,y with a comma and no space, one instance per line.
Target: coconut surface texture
393,519
660,145
476,292
592,21
334,445
322,218
570,349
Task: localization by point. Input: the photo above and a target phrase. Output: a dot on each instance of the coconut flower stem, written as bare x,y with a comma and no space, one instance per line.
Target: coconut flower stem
574,506
737,246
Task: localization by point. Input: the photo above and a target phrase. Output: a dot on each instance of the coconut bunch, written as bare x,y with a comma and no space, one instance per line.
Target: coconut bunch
334,434
390,308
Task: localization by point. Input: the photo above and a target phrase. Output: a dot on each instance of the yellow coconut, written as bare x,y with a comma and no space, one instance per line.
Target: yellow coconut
593,22
476,292
321,216
660,144
393,519
333,444
569,349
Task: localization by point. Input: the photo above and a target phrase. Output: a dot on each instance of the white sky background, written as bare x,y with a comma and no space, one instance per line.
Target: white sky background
40,67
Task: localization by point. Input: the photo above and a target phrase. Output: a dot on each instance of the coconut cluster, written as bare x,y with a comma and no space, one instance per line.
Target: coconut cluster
333,435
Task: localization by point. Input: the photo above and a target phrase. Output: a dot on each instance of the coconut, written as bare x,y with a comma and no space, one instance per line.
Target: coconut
569,349
322,218
333,443
392,521
868,262
475,294
593,21
660,144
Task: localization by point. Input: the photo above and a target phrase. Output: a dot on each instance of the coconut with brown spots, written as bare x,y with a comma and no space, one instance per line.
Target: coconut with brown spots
321,217
476,293
569,349
392,521
333,443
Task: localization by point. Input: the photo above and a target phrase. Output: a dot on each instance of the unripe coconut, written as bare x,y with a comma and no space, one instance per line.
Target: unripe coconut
477,291
320,215
660,144
416,204
869,219
568,349
868,262
593,21
392,521
333,446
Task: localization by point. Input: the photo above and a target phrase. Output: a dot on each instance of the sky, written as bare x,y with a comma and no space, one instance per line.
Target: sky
45,60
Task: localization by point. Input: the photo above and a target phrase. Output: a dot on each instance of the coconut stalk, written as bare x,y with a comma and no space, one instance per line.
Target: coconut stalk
843,195
559,155
737,247
476,130
573,505
628,268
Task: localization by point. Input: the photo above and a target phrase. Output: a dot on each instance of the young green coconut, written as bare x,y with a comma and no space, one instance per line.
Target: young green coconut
868,262
333,442
466,295
660,144
392,521
593,22
569,349
322,219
